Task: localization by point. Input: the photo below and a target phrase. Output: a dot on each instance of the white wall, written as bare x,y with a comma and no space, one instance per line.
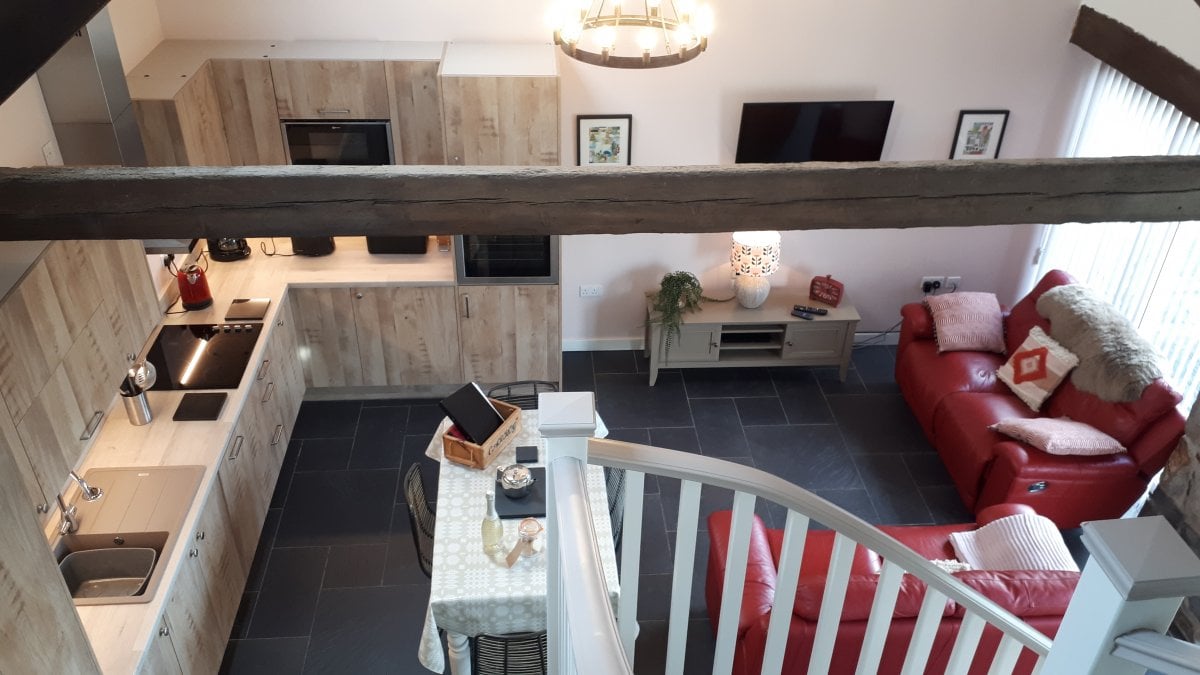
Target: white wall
1174,24
933,58
137,29
25,127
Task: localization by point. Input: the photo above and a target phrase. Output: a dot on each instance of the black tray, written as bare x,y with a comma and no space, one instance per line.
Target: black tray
531,505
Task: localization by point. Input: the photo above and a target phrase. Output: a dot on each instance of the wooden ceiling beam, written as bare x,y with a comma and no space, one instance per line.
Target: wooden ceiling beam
31,31
1146,62
185,202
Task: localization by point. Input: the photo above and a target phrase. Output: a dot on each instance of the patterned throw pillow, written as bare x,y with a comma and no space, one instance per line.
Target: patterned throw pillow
1036,368
1059,436
967,322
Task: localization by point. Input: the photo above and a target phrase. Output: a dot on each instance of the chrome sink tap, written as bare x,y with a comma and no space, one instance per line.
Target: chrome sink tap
69,524
89,493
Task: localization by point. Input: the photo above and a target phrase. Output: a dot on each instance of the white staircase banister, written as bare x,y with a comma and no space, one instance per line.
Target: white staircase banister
1159,652
713,471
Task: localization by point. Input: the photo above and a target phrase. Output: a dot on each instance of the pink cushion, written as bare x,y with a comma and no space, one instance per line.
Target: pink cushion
1036,368
967,321
1060,436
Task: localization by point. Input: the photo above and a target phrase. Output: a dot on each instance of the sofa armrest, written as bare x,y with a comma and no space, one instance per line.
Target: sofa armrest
1025,593
1024,462
758,596
995,512
916,321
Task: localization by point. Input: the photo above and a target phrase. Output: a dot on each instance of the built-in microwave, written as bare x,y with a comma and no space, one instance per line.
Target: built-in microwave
506,259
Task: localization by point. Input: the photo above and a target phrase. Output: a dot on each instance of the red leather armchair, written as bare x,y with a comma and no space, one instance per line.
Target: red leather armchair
955,396
1039,598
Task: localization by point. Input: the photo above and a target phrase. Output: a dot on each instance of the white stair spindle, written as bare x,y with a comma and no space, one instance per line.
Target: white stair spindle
924,632
831,603
880,621
965,644
631,560
681,581
1037,667
795,534
1006,656
735,581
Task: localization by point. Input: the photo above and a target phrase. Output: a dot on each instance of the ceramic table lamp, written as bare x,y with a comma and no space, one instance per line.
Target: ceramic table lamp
755,257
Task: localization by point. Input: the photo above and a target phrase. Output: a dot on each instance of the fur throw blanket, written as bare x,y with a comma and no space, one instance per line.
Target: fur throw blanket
1115,363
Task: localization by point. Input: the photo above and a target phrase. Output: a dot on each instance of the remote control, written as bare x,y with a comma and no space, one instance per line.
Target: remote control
802,315
819,311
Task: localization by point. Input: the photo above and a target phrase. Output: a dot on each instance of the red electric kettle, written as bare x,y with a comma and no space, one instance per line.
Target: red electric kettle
193,287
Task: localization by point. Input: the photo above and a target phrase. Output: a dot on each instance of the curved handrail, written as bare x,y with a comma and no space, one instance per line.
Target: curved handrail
740,478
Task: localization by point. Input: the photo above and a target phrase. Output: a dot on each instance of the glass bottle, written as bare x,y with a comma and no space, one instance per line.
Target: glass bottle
491,529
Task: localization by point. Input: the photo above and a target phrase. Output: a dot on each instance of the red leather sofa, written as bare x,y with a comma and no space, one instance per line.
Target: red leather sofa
1040,598
955,396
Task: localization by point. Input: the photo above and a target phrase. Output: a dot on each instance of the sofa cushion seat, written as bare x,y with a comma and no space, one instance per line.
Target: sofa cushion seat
818,546
926,376
1123,421
964,441
1025,593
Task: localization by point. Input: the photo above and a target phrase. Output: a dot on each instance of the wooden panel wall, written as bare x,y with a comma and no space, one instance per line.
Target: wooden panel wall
416,99
246,95
501,120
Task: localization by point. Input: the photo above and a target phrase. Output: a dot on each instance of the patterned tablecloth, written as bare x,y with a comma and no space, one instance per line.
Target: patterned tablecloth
472,592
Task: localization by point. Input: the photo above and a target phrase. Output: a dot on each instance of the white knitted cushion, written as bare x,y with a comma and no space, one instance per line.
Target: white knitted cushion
1025,541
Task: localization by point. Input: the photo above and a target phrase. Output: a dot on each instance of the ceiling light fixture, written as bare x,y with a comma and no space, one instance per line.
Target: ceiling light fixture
608,32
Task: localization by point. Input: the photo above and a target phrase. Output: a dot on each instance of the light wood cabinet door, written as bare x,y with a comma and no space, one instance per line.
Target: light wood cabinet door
329,343
330,89
246,94
132,302
416,99
287,351
187,130
501,120
245,502
160,658
510,333
11,444
407,335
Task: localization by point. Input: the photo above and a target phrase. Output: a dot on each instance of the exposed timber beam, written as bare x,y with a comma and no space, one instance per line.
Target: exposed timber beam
185,202
1146,62
31,31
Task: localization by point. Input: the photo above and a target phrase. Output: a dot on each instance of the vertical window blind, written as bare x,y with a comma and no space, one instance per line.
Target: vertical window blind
1148,271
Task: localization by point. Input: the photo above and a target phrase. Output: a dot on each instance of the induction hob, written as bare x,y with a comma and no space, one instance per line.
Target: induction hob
202,356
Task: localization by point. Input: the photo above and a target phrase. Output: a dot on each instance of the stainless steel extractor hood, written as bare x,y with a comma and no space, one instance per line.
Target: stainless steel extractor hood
88,100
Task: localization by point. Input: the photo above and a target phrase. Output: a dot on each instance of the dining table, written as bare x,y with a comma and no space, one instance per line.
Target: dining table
473,592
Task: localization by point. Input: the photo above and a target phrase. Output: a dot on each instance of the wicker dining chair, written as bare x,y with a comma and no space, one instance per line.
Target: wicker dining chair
523,394
614,482
511,654
421,518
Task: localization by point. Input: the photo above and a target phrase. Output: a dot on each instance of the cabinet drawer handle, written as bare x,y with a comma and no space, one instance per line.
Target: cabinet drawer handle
201,535
44,507
270,392
236,450
194,553
333,111
262,370
92,425
278,434
164,631
467,305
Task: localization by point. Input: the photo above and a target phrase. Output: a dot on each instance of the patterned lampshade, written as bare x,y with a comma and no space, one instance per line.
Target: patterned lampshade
755,254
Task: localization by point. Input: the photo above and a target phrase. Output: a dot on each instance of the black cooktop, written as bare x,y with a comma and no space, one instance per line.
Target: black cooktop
203,356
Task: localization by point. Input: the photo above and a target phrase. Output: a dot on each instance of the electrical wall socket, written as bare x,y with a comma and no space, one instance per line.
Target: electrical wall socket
591,290
952,284
934,284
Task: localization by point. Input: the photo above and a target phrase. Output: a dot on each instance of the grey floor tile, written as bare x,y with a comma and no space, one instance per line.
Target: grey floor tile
812,456
284,482
357,565
266,539
414,451
327,419
609,362
927,469
719,428
577,372
338,508
682,439
945,505
401,565
368,630
325,454
801,396
878,423
656,547
289,593
712,498
728,382
278,656
626,401
831,384
759,411
857,502
893,491
424,418
379,441
241,622
875,364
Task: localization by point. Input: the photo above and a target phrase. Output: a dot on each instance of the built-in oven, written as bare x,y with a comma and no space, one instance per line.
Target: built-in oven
506,259
357,143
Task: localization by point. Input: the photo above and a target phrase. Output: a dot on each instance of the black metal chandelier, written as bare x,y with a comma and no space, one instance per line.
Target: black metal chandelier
632,33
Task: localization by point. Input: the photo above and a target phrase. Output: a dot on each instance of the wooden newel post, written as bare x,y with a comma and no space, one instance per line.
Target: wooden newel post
566,420
1138,575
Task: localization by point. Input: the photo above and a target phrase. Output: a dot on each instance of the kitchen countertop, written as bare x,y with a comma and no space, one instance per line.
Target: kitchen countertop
120,633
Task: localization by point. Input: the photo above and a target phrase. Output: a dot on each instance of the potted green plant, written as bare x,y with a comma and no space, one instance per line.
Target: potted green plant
679,292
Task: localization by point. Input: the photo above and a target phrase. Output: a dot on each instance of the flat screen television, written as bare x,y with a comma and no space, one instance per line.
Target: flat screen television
813,131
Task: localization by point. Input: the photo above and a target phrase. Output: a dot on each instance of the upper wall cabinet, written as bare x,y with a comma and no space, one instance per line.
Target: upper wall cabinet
246,93
330,89
416,112
501,120
186,130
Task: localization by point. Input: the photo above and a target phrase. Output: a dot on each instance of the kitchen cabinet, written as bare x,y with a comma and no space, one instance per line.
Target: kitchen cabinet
325,329
121,268
510,333
246,95
416,100
186,130
501,120
207,589
316,89
407,335
160,658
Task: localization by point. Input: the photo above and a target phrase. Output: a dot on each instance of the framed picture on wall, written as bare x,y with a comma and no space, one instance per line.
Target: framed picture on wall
603,140
979,134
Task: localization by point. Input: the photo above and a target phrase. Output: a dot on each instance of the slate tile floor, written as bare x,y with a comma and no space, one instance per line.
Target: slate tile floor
335,586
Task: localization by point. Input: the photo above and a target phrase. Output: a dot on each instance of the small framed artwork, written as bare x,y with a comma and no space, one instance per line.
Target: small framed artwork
604,140
979,134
